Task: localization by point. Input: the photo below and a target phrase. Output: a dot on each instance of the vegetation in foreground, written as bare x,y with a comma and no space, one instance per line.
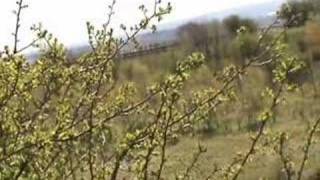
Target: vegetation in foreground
246,106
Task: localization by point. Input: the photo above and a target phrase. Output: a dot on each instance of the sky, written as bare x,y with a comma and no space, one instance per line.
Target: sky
66,19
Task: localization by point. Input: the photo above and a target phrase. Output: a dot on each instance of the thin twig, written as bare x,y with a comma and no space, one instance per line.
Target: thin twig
17,26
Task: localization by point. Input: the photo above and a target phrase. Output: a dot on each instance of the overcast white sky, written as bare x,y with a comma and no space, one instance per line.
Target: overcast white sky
66,18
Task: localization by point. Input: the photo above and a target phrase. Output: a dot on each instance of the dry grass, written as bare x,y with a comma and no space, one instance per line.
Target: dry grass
294,116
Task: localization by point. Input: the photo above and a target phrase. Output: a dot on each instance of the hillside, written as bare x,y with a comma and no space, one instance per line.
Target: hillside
263,13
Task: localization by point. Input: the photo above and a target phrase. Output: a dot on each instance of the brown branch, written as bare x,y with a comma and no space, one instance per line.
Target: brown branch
307,148
257,137
152,138
22,168
195,159
165,138
284,159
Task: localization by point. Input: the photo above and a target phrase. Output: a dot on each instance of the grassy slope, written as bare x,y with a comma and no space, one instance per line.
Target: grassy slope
294,117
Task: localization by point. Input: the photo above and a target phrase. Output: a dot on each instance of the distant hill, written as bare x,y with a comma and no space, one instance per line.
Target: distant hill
255,11
263,13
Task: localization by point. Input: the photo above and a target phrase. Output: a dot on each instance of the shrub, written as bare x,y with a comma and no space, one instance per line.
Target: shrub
61,120
233,23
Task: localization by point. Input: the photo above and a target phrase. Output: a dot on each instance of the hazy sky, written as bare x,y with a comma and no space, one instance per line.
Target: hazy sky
66,18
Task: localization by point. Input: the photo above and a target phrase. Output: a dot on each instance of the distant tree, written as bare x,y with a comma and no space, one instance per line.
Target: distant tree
211,39
219,40
196,36
295,13
233,23
214,38
315,5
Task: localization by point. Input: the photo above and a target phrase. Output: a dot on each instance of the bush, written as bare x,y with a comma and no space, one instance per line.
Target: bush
61,120
233,23
247,47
